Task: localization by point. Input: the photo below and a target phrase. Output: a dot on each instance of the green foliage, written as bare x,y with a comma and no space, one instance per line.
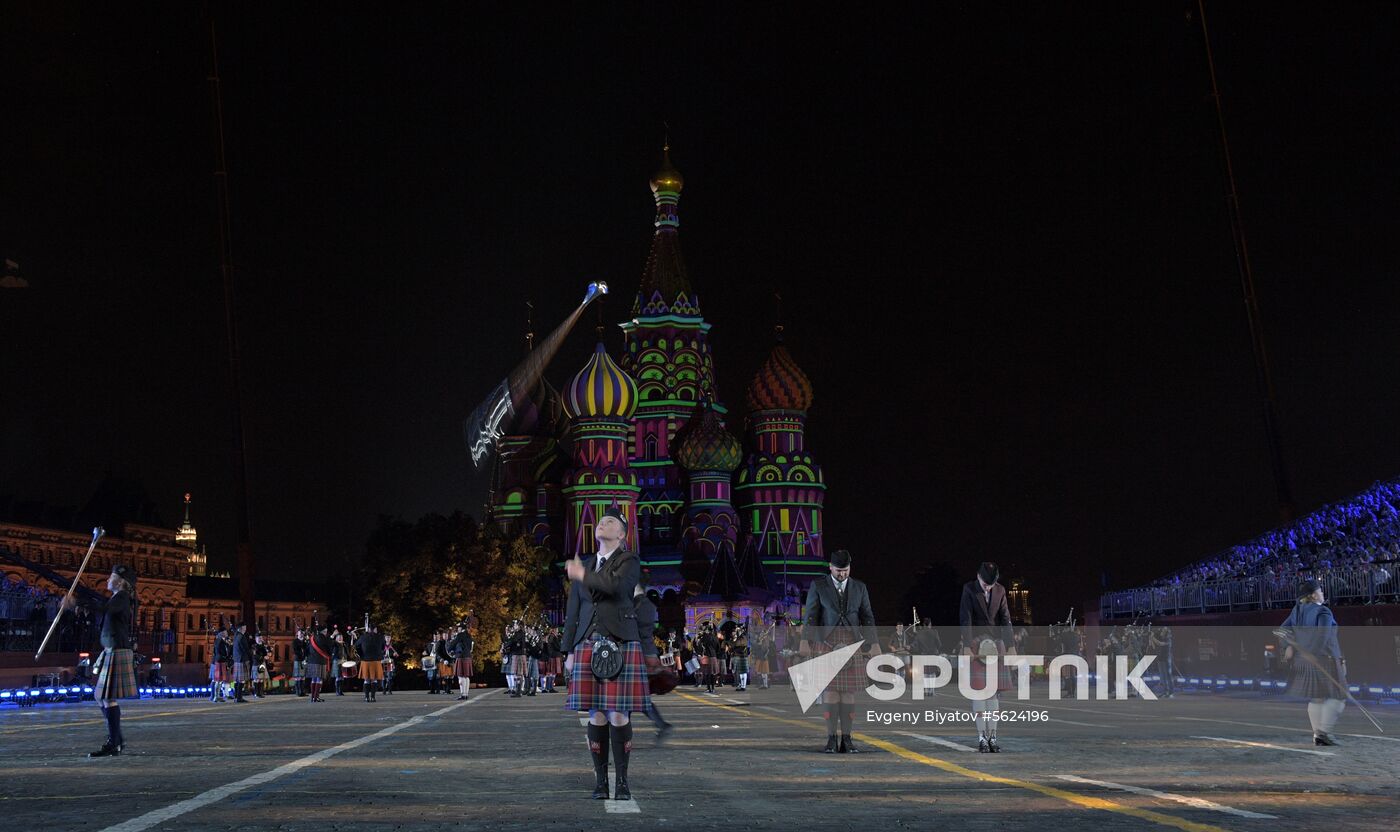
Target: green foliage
432,574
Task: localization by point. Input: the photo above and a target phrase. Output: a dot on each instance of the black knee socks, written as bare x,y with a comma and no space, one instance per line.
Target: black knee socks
114,724
848,710
598,747
622,749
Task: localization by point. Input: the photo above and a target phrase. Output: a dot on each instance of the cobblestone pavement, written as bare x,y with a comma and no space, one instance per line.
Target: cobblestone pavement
737,761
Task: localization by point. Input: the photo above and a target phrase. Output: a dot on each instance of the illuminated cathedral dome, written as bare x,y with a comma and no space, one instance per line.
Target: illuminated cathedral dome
668,178
779,384
707,446
601,390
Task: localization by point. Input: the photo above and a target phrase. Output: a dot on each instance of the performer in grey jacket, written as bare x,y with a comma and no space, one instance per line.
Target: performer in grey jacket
838,613
1320,670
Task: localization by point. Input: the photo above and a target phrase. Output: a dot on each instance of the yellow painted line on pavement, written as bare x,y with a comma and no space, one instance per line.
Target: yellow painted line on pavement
1082,801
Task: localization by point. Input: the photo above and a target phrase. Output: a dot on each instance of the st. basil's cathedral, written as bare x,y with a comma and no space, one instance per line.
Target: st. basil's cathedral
723,528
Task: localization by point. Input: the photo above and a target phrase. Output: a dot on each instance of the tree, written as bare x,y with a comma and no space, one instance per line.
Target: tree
434,573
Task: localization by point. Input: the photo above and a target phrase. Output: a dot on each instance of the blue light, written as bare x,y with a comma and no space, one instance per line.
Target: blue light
48,691
1249,681
4,694
1376,690
87,690
63,691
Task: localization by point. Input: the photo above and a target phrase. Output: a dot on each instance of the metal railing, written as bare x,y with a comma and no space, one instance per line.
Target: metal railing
1371,584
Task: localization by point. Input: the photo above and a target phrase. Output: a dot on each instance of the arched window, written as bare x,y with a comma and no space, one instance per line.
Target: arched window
650,448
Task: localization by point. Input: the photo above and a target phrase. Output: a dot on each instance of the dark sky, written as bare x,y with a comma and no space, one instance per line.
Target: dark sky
1000,236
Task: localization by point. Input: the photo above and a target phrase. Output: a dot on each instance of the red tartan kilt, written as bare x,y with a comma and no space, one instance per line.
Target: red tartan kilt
629,692
552,667
977,674
851,679
463,667
219,672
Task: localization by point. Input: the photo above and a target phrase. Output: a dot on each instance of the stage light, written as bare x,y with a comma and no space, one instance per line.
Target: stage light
1376,690
63,691
48,691
87,690
4,694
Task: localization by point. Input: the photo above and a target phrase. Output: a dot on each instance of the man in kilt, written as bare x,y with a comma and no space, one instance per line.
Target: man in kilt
646,625
514,663
321,659
242,661
1319,670
299,650
370,646
220,662
117,678
838,613
553,663
985,619
461,647
600,607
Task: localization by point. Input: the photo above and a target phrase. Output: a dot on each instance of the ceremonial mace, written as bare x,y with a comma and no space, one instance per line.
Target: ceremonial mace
1303,652
483,426
97,533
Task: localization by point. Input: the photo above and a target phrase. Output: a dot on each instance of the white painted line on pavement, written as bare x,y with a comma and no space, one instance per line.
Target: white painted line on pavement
1057,720
199,801
619,807
1197,802
936,741
1267,745
771,708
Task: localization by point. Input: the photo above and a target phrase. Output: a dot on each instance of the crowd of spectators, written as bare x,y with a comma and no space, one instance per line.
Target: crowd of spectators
1357,535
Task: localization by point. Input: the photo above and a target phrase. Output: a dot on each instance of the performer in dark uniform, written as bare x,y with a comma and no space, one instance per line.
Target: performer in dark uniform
837,613
985,619
710,649
1313,628
242,661
446,670
514,662
261,676
321,660
646,624
554,660
299,651
601,607
370,646
461,647
391,664
220,661
117,678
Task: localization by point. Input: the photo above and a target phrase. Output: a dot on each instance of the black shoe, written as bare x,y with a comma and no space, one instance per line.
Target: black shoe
830,744
664,732
1323,738
623,793
240,700
992,745
848,747
108,749
600,790
982,745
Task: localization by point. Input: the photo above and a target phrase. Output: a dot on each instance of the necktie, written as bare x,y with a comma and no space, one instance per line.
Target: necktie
599,567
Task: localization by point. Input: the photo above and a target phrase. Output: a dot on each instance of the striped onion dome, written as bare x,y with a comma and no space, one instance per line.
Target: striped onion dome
601,390
707,446
779,384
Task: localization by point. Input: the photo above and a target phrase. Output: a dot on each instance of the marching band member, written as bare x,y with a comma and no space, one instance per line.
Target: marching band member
299,652
646,624
370,646
321,660
461,648
985,619
261,678
1313,628
600,609
220,661
837,613
117,679
242,661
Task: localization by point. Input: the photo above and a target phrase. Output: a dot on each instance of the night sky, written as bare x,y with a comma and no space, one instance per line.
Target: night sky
999,235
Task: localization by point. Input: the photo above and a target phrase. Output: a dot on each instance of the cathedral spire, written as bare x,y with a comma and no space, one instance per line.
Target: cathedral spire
665,287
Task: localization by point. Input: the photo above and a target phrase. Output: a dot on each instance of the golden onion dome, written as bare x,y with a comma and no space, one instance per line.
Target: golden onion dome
667,178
